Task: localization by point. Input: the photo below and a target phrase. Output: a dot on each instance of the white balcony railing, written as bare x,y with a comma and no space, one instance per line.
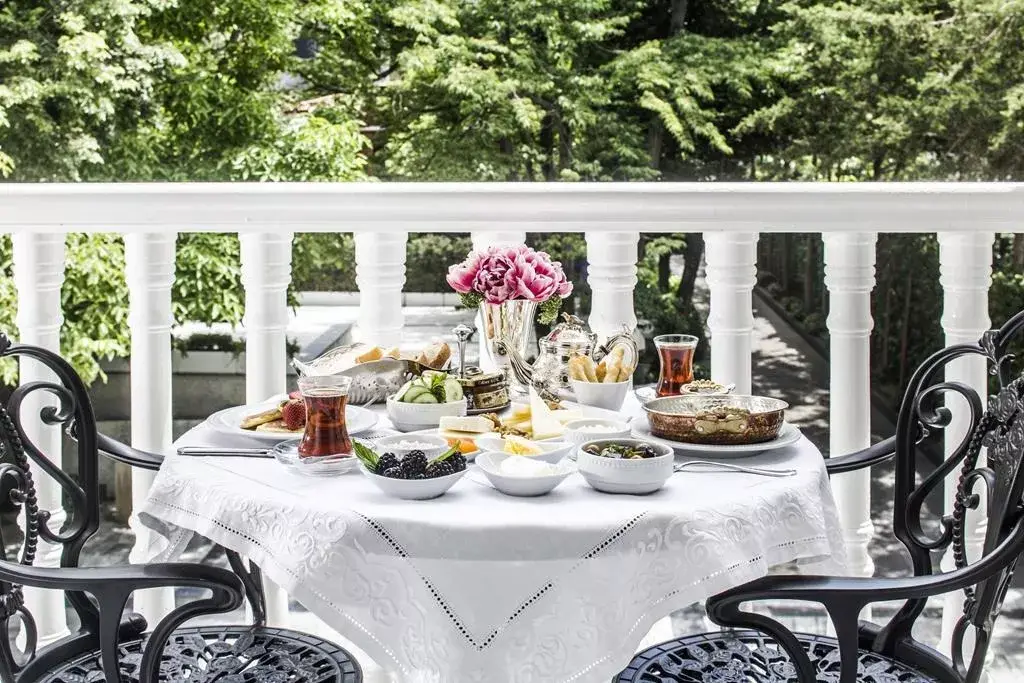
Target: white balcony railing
612,215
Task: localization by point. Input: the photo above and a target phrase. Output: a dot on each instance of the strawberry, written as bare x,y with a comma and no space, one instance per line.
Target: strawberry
293,414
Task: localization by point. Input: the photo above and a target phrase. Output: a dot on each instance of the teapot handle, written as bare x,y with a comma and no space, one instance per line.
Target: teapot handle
620,339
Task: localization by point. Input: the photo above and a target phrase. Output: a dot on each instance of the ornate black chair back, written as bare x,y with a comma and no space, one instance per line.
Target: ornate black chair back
990,483
73,411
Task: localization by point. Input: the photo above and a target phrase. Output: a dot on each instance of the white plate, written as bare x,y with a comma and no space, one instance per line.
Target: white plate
788,436
227,421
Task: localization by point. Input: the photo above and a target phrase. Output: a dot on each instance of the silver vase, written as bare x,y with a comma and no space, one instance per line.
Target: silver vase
511,322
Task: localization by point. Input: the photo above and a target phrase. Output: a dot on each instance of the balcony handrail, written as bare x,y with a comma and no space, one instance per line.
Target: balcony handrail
489,207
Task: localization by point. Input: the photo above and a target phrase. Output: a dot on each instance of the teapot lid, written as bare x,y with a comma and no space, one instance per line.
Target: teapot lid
571,332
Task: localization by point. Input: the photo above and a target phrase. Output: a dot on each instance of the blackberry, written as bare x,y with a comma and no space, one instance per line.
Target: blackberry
414,462
458,461
395,473
386,462
440,469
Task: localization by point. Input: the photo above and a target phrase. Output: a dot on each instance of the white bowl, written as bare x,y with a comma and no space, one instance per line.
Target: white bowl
618,475
413,489
490,465
608,396
553,450
389,444
414,416
576,432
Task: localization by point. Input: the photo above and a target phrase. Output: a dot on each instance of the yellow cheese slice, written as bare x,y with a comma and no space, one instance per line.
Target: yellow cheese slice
545,424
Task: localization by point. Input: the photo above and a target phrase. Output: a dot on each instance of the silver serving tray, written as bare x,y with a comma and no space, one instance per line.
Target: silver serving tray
372,382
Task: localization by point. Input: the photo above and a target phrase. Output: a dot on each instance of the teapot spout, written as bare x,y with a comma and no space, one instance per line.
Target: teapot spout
522,370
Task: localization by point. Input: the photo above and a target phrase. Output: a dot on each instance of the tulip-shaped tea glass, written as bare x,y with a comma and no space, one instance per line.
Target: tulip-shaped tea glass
676,354
326,432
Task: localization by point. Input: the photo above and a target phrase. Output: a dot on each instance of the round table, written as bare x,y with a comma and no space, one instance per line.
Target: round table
479,586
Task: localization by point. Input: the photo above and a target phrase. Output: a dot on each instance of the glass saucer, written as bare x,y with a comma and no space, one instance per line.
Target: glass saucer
287,453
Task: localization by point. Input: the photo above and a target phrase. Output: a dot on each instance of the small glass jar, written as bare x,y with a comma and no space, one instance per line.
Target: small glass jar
326,432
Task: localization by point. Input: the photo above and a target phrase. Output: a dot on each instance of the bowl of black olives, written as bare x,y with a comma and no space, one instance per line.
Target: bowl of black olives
625,465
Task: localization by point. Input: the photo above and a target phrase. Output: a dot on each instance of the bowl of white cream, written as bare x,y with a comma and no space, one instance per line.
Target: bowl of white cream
517,475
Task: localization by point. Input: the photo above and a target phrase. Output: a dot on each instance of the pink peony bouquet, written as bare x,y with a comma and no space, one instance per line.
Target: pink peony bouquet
502,274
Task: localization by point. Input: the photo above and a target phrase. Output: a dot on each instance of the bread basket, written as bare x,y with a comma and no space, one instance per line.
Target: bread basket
373,381
716,419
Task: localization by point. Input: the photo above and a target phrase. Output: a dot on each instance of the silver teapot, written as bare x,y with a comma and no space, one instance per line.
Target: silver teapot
549,373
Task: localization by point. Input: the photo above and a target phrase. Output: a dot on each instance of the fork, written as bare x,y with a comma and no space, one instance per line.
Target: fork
729,467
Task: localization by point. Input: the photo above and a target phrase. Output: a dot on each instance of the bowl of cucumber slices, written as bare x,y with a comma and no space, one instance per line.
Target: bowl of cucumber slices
423,401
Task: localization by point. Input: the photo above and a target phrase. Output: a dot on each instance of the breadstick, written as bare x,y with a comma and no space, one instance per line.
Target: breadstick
614,365
591,368
576,370
602,371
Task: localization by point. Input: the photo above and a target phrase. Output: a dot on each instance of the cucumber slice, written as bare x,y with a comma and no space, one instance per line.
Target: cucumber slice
414,392
425,397
400,395
452,390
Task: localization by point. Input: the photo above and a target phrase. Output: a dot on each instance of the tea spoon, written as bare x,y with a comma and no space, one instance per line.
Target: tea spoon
721,467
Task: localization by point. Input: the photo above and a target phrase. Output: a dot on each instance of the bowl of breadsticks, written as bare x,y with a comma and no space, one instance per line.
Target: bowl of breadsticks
604,384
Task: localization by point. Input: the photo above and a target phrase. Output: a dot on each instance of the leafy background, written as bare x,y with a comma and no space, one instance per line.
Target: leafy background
516,90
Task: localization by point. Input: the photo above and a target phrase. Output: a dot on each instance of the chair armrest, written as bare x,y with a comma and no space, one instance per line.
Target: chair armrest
868,457
111,588
115,450
845,597
131,577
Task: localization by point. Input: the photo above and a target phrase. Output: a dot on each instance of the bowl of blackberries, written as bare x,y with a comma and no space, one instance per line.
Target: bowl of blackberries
411,476
625,465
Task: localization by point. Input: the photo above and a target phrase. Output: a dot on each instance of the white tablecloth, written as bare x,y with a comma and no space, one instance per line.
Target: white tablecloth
476,586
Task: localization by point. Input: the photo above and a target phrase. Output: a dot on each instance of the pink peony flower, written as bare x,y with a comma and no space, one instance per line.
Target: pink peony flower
496,278
461,276
503,273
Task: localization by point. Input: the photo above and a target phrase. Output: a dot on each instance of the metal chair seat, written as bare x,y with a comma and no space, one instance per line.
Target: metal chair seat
751,657
226,654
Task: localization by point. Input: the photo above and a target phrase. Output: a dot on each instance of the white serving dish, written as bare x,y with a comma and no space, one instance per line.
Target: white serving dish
413,489
576,432
608,396
409,417
389,444
788,435
526,486
618,475
553,450
228,421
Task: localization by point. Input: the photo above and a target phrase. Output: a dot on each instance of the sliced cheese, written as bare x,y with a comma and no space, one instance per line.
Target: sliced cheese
545,424
470,423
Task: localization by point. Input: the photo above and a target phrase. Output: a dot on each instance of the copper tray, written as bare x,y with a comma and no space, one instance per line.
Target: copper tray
707,419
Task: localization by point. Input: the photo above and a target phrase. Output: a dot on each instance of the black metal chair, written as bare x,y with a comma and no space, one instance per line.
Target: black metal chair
110,645
869,653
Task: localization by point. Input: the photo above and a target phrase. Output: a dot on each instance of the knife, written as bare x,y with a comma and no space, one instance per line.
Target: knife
225,452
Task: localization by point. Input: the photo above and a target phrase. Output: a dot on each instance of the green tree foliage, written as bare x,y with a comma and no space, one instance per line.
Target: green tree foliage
73,77
533,90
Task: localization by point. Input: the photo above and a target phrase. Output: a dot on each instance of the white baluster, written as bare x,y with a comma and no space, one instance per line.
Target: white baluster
965,274
266,272
380,275
850,277
481,241
149,271
38,275
611,274
731,275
